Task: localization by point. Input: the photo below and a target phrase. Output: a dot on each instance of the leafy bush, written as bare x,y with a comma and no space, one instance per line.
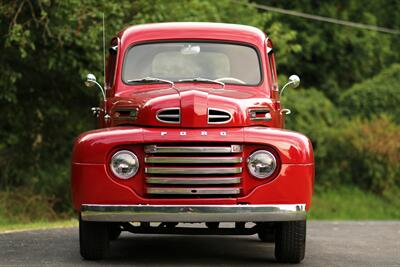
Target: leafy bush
359,152
313,114
379,94
364,153
24,205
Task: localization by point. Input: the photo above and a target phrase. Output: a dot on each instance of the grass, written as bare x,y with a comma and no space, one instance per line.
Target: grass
351,203
42,224
23,208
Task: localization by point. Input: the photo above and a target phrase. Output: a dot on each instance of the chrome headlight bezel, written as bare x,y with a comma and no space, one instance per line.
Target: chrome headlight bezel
250,164
132,156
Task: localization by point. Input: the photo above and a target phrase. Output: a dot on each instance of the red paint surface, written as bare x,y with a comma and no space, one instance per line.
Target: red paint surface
92,181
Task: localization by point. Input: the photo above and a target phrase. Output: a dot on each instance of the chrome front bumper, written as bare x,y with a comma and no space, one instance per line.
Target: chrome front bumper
193,213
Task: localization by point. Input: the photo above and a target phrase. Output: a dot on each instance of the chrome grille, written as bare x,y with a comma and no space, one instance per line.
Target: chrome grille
169,115
218,116
193,170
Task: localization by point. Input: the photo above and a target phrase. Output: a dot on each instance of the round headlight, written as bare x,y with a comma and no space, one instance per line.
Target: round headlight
261,164
124,164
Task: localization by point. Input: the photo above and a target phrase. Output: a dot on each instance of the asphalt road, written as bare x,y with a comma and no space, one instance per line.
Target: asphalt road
328,244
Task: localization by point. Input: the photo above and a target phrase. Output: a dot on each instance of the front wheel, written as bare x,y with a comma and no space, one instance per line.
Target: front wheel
93,239
114,231
290,241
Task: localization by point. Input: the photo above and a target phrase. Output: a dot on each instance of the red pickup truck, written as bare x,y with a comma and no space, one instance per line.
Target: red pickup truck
191,131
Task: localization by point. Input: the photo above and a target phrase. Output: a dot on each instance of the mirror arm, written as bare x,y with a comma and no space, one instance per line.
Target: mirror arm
101,89
284,87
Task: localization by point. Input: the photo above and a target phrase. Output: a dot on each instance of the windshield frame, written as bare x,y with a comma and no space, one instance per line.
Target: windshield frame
252,46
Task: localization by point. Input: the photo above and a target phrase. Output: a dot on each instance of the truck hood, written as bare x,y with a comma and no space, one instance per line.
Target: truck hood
191,107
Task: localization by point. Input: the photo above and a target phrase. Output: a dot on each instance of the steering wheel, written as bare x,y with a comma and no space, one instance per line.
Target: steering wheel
230,79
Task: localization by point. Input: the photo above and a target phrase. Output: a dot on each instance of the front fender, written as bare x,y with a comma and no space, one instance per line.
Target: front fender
92,183
93,146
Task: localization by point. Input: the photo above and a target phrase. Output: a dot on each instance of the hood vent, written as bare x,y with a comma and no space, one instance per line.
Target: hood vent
218,116
169,115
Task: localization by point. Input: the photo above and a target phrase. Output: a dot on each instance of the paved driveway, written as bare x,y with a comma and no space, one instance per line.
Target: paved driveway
328,244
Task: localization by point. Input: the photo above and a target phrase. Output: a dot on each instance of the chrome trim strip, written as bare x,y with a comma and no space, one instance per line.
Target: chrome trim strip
192,191
193,180
192,149
260,119
218,116
193,213
169,115
208,160
188,170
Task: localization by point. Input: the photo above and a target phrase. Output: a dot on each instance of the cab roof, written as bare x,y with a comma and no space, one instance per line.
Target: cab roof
191,30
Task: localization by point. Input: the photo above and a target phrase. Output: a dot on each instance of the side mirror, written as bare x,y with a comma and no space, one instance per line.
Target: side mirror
294,81
91,81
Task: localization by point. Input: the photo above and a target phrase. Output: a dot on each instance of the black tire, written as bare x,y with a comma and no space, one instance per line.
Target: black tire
290,241
266,234
114,231
93,239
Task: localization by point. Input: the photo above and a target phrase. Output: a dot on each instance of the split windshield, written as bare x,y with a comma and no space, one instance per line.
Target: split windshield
183,61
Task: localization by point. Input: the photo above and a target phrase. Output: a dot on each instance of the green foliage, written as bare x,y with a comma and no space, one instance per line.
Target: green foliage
49,46
47,49
379,94
311,111
334,57
357,152
23,205
364,153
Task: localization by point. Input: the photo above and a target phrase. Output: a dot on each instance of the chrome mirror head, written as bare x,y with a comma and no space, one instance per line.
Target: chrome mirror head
90,80
294,81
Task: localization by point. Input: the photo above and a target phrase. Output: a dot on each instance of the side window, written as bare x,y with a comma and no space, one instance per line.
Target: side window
112,59
271,65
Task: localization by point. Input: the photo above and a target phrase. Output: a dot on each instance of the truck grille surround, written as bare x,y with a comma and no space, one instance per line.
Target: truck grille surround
193,170
218,116
169,115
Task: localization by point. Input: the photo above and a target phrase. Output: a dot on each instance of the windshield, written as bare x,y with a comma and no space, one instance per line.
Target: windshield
184,61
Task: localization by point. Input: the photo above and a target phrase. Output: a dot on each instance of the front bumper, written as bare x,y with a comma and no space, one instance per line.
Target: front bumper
193,213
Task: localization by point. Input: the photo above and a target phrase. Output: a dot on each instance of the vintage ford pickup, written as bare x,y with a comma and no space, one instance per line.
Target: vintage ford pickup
191,131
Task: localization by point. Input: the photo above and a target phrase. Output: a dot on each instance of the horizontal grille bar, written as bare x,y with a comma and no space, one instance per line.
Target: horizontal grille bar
193,181
169,116
193,149
185,170
193,191
202,160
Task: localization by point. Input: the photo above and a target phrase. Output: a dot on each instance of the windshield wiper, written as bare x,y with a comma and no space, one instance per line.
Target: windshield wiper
203,80
151,80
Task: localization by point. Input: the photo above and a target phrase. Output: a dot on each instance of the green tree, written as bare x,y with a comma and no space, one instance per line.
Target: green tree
374,96
334,57
47,49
